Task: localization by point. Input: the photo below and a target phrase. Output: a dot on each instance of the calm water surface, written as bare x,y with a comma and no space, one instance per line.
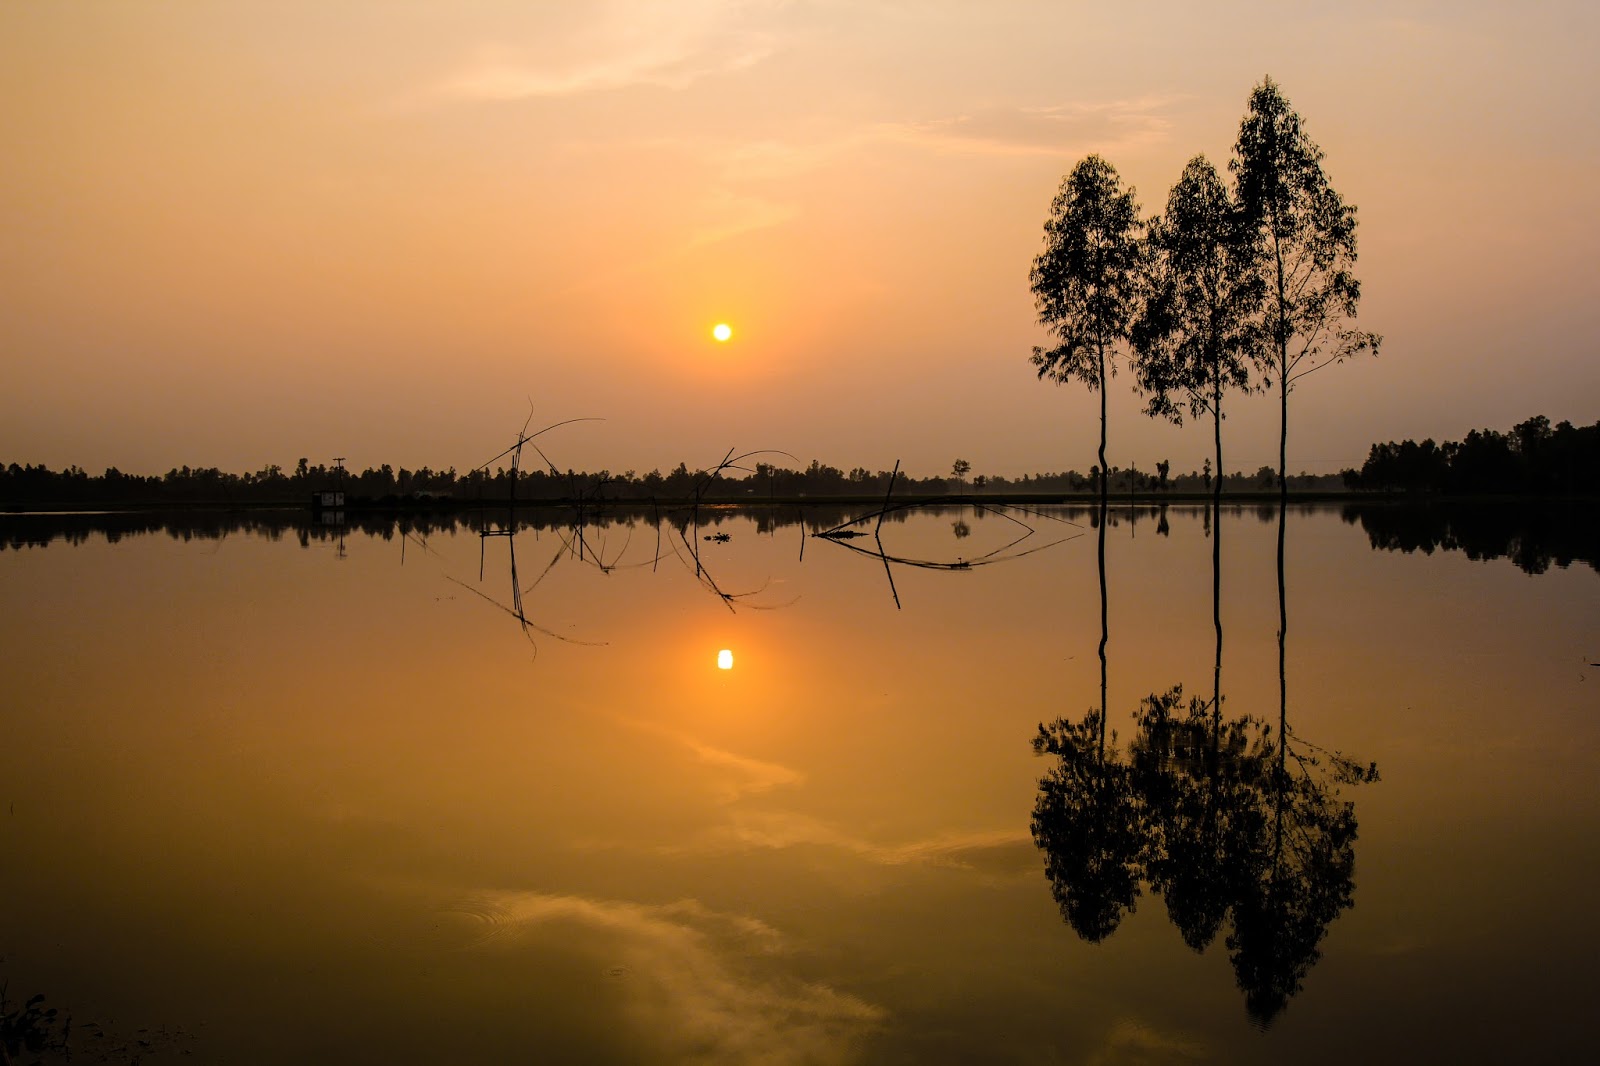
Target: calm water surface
273,794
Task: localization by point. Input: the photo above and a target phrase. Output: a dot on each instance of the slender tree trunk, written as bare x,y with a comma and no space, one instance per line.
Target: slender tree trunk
1105,480
1283,367
1216,608
1216,420
1283,439
1104,631
1214,755
1283,680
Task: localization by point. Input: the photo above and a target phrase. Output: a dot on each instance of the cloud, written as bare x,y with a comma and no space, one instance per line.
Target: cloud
695,984
667,45
743,774
750,775
1058,129
995,850
1018,130
730,215
1131,1042
771,159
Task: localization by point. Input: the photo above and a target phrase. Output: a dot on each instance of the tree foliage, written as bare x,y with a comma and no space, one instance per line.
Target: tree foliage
1308,236
1086,281
1198,325
1236,825
1534,459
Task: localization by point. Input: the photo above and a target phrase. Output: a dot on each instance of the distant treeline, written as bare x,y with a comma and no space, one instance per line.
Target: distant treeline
1533,459
35,486
1534,536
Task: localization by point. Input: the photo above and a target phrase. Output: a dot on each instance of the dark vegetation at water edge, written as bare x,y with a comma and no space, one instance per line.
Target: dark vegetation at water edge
1534,459
37,487
39,530
1534,536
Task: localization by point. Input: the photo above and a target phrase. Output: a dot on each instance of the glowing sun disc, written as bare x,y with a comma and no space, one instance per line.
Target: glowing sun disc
722,331
724,659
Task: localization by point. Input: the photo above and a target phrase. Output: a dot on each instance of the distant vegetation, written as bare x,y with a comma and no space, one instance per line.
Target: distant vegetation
38,486
1533,459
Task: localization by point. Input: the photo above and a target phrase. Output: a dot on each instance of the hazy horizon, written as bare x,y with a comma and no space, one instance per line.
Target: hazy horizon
242,234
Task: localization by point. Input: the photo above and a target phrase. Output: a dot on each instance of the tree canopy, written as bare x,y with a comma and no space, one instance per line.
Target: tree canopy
1086,281
1308,236
1198,325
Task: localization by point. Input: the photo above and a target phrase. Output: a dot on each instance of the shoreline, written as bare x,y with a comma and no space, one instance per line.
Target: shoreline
46,508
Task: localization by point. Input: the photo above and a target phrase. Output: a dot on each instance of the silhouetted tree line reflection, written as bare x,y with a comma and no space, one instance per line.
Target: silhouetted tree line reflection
1234,821
38,530
1532,536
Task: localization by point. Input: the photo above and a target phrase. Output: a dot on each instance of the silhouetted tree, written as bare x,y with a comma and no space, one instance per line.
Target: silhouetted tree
1533,459
1308,236
1088,825
1199,324
1193,772
1085,282
960,468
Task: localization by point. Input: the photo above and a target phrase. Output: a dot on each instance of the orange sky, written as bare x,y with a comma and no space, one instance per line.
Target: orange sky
241,233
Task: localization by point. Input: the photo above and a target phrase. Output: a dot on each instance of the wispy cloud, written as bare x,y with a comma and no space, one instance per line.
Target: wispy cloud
999,850
663,43
742,775
695,981
728,214
1057,129
1020,130
1131,1041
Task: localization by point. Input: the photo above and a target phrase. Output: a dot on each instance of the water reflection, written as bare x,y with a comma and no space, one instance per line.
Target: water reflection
1232,820
1533,536
1011,544
40,530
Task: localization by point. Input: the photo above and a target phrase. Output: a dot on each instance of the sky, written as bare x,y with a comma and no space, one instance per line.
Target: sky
237,234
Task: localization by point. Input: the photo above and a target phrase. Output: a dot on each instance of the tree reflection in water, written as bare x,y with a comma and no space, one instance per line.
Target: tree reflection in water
1232,821
1089,825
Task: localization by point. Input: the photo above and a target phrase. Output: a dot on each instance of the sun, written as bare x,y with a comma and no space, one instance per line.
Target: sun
722,331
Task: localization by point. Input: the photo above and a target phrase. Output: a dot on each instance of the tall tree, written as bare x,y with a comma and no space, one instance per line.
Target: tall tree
1085,282
1308,236
1198,328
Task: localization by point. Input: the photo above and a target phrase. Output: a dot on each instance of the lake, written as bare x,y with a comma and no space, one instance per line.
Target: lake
397,792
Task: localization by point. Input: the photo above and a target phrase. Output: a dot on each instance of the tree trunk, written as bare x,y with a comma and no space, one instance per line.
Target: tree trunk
1283,438
1216,420
1283,683
1283,367
1104,631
